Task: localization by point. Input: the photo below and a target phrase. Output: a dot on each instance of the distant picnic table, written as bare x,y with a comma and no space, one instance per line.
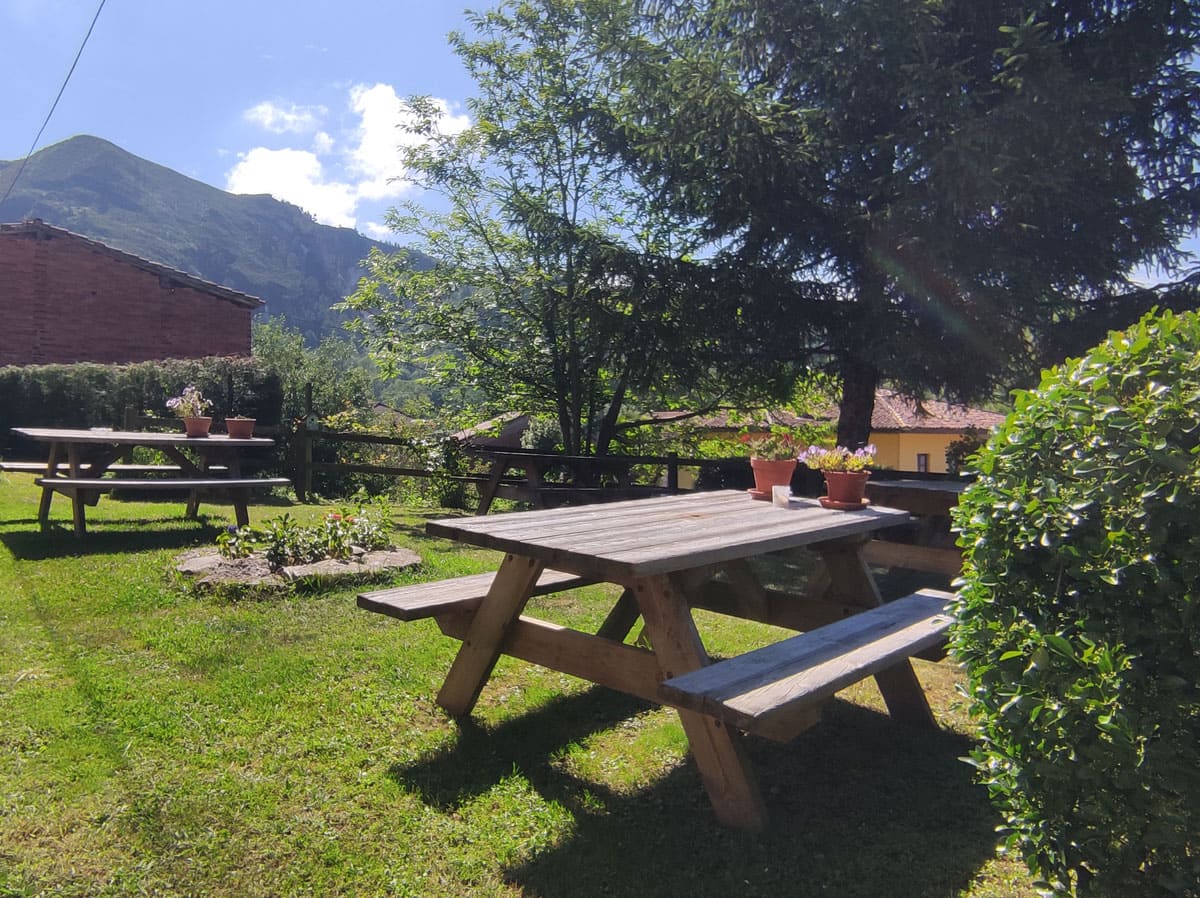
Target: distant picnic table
82,464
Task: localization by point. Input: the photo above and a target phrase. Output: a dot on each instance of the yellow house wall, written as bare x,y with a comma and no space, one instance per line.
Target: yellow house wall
887,450
898,451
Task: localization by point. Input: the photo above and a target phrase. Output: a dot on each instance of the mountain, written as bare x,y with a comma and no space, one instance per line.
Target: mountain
255,244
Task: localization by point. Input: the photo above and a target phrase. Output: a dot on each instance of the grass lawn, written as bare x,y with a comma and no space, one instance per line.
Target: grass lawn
155,741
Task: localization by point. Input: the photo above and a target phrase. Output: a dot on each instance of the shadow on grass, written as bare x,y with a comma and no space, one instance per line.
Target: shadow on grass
859,806
108,538
484,756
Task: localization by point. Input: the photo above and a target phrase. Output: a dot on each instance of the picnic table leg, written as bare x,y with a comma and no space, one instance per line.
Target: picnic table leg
77,513
850,579
48,491
187,467
488,492
240,498
621,619
473,664
720,758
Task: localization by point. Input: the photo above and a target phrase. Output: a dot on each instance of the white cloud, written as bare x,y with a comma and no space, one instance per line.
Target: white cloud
322,144
380,135
340,171
283,120
379,231
295,176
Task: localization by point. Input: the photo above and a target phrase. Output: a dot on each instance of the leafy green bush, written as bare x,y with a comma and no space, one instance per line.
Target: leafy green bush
1077,617
91,395
959,451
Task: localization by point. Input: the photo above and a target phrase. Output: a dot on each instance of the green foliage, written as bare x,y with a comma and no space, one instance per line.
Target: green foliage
1077,619
90,395
340,376
774,443
284,541
959,451
932,184
543,435
559,288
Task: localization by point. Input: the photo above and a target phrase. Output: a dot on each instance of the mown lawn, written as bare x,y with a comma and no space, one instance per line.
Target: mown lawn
156,741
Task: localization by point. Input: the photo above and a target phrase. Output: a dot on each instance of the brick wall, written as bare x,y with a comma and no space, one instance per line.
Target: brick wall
63,301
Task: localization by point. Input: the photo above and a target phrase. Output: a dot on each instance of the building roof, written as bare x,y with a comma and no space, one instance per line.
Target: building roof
894,412
170,277
503,431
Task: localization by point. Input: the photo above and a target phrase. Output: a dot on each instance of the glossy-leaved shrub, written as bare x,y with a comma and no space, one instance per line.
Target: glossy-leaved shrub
1077,616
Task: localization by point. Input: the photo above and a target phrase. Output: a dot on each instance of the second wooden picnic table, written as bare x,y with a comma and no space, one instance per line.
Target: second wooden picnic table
79,459
672,554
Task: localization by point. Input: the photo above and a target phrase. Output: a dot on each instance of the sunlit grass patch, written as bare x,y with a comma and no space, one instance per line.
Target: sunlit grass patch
158,741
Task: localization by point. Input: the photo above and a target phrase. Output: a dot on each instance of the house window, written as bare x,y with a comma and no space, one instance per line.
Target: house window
922,462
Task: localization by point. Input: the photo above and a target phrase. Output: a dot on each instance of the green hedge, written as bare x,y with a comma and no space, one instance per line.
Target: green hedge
90,395
1077,620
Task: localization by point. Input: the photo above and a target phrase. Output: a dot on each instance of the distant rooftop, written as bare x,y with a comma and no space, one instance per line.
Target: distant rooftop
894,411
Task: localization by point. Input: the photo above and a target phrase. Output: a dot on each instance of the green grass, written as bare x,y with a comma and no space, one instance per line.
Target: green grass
155,741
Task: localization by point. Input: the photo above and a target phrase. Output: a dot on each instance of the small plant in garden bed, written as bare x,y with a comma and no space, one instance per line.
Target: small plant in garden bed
284,541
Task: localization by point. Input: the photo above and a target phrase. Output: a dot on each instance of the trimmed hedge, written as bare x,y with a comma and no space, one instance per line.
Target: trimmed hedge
91,395
1077,618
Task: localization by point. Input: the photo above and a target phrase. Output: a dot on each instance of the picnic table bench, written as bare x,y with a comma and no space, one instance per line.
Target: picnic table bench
39,467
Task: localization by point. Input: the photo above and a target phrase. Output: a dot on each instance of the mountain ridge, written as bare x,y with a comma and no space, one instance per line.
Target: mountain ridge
252,243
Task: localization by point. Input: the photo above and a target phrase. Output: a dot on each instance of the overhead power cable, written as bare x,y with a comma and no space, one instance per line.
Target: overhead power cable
54,105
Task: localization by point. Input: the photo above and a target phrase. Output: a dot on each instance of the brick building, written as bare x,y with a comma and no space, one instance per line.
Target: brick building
65,298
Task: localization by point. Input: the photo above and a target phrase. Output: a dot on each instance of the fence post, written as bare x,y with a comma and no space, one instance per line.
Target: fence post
673,472
304,459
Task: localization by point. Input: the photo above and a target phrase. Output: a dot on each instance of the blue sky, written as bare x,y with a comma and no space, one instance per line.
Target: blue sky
294,98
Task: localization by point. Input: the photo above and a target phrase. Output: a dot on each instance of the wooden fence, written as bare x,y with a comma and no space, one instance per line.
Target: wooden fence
544,478
538,478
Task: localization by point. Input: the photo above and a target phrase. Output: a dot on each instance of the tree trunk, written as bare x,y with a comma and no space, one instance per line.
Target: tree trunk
859,380
608,425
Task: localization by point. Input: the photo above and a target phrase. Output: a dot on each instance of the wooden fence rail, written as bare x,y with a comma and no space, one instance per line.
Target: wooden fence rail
608,476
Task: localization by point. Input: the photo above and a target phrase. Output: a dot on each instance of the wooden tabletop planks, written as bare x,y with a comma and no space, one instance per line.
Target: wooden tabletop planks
659,535
134,437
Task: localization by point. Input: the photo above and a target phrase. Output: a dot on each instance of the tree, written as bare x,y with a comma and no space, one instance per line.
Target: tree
940,181
559,287
338,374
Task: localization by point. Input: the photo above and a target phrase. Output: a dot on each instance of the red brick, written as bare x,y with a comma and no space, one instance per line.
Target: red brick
66,299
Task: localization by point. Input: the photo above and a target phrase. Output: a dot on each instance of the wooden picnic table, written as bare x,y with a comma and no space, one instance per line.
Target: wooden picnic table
672,554
78,461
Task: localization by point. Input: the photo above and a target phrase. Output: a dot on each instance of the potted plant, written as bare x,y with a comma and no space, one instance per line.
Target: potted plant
190,405
772,459
239,427
845,472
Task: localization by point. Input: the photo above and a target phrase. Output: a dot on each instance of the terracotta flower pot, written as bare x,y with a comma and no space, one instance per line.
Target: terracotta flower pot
769,472
240,428
196,427
844,489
